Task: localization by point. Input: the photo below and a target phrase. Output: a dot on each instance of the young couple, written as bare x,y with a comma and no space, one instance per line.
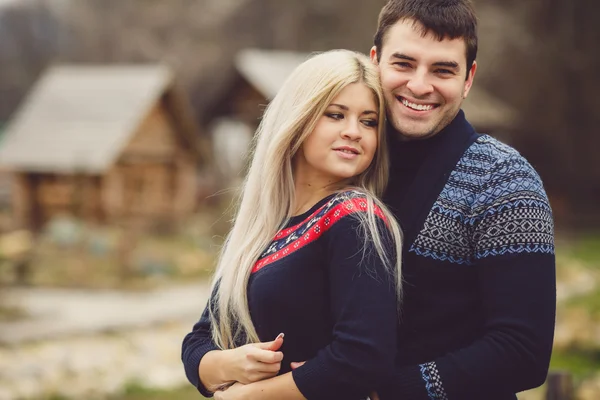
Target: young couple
315,254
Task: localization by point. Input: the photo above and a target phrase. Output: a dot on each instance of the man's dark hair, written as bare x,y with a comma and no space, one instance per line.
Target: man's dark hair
449,19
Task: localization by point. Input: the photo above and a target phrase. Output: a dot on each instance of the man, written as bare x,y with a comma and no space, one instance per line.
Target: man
479,269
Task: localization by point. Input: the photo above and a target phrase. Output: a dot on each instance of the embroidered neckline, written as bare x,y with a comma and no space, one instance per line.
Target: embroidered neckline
291,239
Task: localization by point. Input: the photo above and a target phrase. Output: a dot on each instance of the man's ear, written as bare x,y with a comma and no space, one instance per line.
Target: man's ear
374,55
469,81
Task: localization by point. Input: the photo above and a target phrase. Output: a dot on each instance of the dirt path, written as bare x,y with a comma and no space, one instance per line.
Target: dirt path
57,313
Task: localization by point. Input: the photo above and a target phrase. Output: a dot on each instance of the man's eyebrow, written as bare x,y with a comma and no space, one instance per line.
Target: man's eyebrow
447,64
403,57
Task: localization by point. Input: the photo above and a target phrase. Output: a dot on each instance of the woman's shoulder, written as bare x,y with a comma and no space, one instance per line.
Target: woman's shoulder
353,193
351,202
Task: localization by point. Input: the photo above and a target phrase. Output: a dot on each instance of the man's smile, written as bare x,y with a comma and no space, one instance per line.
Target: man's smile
417,106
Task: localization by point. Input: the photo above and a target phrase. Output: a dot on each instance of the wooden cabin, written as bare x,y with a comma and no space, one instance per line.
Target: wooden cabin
109,144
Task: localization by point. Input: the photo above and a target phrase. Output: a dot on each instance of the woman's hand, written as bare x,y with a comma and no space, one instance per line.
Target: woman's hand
245,364
255,362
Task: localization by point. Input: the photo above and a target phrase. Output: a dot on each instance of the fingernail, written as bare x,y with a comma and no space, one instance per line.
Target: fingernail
281,335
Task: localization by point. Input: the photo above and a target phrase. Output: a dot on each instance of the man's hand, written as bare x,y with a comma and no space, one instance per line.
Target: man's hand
255,362
295,365
233,392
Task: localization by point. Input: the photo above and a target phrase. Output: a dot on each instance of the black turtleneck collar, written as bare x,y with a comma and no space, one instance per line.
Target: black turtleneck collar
410,154
419,167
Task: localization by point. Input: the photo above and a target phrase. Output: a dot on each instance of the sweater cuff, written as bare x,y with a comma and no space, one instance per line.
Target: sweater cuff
406,383
193,367
306,379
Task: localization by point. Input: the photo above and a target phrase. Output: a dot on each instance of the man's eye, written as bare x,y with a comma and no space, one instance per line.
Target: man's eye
335,115
445,72
402,64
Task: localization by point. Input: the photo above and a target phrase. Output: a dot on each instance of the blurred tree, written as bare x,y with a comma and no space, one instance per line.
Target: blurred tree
28,42
550,75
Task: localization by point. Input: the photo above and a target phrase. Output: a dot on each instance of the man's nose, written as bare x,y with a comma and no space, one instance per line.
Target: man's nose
419,84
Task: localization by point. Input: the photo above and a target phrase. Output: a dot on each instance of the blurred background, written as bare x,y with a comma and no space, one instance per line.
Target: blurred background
124,126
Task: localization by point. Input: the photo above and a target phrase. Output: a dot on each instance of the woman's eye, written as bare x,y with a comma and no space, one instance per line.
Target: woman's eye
371,123
335,115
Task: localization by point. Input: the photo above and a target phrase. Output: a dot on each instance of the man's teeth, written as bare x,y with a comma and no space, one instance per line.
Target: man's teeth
419,107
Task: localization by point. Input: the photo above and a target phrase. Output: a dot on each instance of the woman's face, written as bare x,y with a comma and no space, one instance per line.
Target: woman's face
344,141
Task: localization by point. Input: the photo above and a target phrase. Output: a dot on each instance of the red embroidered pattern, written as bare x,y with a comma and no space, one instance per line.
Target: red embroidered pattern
321,226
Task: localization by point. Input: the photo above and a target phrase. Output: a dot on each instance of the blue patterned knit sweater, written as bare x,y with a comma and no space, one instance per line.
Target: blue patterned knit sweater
479,270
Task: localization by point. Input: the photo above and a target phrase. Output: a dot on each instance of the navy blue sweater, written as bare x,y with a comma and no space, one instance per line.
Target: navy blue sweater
321,284
479,298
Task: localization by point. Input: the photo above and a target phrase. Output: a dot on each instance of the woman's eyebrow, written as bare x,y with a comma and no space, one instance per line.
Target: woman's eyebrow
343,107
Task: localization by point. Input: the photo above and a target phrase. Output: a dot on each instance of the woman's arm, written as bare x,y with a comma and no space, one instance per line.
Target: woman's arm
209,368
246,364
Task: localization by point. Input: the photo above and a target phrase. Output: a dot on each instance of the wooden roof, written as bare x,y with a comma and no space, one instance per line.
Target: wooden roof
266,71
78,118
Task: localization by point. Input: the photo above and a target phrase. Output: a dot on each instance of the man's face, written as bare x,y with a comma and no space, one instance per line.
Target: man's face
423,79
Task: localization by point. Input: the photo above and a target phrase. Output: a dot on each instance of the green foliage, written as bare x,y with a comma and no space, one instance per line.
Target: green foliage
581,362
587,249
590,301
137,391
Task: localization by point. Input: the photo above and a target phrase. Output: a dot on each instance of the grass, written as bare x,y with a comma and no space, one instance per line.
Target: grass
589,301
11,313
585,248
579,255
134,391
137,392
109,258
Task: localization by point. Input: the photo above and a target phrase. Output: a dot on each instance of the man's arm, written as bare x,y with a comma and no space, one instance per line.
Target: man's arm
513,239
513,353
278,388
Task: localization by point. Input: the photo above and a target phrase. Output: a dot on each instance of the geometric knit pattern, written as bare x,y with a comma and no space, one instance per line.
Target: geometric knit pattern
493,204
433,382
292,239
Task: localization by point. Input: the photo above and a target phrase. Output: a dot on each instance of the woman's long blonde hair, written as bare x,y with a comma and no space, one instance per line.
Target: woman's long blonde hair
268,190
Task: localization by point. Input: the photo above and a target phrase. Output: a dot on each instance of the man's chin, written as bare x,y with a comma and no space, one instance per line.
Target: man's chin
414,133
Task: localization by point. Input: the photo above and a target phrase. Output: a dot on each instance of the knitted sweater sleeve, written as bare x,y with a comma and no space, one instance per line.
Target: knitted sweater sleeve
513,246
195,345
363,309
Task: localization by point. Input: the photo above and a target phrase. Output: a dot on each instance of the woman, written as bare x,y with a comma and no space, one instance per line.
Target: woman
312,252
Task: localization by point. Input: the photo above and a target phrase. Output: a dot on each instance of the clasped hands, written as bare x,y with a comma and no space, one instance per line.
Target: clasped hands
255,362
251,363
